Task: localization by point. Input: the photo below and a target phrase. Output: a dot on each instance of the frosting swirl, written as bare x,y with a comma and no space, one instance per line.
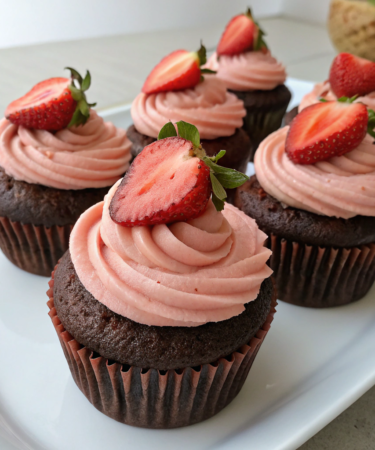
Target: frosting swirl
248,71
213,110
323,90
91,156
185,274
343,186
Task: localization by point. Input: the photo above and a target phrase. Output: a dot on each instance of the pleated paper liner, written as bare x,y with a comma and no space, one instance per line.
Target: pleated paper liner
153,398
321,277
265,111
35,249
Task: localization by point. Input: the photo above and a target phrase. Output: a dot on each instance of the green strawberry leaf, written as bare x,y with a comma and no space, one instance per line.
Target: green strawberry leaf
189,132
219,204
207,71
74,74
76,93
372,2
202,55
84,107
219,155
260,43
217,188
347,99
371,123
231,180
86,83
167,131
222,177
76,119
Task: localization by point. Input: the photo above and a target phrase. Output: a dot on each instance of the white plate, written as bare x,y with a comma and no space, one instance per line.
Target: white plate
312,366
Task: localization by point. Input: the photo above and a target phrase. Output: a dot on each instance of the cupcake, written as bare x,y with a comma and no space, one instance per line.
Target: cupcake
177,90
349,76
162,301
243,61
313,194
57,158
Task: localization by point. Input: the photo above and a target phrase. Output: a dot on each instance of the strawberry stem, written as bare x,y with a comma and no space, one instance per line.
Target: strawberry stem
202,56
82,111
260,42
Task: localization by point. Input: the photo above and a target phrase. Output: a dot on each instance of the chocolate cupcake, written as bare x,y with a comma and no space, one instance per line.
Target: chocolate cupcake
320,217
203,101
160,319
250,72
51,171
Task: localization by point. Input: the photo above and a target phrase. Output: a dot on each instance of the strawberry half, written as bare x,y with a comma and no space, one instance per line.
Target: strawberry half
179,70
351,75
241,34
171,180
53,104
327,129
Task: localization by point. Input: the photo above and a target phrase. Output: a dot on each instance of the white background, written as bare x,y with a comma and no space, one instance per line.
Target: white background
25,22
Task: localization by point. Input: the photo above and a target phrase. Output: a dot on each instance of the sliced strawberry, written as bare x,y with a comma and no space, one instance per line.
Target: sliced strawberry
165,183
172,180
351,75
241,34
179,70
52,104
324,130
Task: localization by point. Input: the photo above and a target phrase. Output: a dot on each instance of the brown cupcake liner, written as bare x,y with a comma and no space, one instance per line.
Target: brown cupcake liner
321,277
260,124
265,111
153,398
35,249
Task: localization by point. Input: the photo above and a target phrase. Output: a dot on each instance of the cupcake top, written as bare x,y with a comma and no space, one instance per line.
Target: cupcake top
160,251
52,137
179,89
214,111
90,156
328,170
323,90
187,274
249,71
242,59
349,76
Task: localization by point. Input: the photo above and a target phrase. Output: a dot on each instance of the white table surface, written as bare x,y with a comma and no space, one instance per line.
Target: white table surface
119,66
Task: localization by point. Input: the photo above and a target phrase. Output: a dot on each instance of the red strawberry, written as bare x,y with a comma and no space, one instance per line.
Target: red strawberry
177,71
241,34
324,130
172,180
165,183
52,104
350,76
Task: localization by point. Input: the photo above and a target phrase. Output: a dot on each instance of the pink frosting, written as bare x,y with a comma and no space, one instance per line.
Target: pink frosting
185,274
91,156
248,71
323,90
214,111
343,186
